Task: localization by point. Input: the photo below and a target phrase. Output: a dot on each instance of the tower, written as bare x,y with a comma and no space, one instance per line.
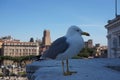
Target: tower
90,43
46,38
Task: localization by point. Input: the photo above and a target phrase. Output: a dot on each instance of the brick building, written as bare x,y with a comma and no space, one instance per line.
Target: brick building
89,43
46,41
46,38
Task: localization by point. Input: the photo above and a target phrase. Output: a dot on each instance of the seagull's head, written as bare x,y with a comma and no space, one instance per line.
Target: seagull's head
76,30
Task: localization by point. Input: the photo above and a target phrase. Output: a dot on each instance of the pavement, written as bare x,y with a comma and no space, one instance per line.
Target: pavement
87,69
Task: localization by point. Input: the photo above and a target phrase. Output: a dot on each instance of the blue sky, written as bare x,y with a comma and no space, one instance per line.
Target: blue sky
23,19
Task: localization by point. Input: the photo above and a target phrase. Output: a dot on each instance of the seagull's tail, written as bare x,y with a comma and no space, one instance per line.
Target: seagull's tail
39,58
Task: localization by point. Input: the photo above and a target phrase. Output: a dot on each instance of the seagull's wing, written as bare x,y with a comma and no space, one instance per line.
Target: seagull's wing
57,47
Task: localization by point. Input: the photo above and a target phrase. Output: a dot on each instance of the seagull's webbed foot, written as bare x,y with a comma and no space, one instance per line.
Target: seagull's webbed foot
69,73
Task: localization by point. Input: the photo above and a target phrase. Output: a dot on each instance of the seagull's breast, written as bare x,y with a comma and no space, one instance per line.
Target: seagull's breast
76,44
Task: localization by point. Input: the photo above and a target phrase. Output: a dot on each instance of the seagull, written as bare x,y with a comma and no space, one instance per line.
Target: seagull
66,47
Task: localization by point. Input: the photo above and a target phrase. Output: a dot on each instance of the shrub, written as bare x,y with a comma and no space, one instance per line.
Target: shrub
1,75
23,74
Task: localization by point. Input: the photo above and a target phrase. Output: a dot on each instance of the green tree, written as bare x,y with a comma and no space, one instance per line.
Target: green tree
19,60
86,52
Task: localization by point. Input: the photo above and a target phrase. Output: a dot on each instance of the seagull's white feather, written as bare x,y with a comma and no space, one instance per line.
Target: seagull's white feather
75,41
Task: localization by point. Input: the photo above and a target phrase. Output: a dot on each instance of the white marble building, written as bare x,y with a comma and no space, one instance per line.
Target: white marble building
113,36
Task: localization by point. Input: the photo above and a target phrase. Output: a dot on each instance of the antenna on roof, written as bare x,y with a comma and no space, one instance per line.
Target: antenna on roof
116,8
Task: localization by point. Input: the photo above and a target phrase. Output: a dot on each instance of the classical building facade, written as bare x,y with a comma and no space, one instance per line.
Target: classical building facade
16,48
113,36
13,48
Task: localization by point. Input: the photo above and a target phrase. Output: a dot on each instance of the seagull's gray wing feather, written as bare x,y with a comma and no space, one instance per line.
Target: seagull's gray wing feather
57,47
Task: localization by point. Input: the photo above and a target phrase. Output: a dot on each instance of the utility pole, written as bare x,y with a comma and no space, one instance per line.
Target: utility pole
115,8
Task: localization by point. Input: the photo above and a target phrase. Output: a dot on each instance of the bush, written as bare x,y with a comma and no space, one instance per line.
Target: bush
1,75
13,74
86,52
76,57
23,74
86,55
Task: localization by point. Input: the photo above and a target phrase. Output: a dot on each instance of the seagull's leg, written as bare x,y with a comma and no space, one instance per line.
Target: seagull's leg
63,67
67,71
67,64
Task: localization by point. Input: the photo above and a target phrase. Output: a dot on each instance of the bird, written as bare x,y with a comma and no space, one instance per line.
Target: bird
66,47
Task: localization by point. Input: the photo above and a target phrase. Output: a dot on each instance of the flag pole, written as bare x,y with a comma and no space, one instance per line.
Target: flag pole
116,8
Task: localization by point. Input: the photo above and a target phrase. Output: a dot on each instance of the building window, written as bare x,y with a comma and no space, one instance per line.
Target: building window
114,43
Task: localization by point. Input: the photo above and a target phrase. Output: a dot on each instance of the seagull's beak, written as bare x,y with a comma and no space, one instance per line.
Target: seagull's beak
85,33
